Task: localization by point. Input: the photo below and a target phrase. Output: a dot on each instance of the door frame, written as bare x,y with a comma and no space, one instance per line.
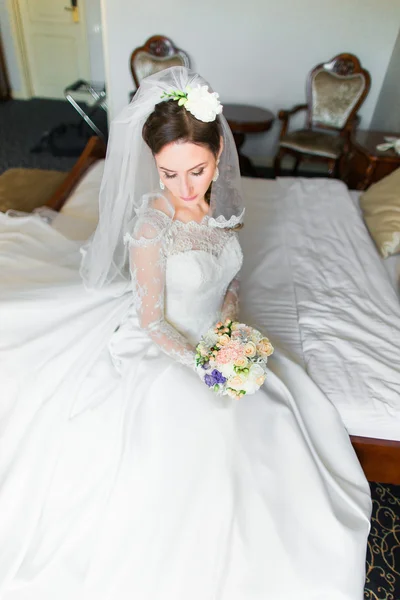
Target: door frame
17,34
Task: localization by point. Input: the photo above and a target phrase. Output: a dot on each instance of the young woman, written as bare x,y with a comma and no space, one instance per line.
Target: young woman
122,475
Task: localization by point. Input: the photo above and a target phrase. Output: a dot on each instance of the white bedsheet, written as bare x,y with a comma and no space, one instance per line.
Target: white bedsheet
392,263
313,280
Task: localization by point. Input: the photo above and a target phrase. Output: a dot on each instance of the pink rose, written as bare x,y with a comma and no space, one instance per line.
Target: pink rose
241,362
250,350
224,339
264,347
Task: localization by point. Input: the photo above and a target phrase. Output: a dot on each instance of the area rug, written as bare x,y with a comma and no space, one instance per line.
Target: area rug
383,556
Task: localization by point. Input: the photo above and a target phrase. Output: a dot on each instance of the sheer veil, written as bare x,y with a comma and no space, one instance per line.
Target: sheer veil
130,174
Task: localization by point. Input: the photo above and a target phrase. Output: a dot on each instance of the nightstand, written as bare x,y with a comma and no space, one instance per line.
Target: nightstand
364,164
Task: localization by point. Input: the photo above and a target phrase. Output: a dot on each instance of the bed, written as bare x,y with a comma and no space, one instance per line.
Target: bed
326,297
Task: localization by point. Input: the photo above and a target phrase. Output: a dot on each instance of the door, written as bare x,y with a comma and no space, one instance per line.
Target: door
56,44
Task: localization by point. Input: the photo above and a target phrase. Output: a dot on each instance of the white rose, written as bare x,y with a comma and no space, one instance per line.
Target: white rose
210,338
227,370
256,371
250,387
202,349
203,104
255,379
255,336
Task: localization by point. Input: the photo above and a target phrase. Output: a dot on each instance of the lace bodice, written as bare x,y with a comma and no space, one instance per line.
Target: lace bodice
184,279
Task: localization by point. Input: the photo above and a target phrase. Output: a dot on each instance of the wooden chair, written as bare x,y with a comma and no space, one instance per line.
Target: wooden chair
335,91
158,53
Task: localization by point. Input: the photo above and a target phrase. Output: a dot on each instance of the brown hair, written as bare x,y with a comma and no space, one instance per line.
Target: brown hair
170,122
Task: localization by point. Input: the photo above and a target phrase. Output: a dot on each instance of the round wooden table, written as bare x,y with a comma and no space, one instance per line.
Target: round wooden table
244,119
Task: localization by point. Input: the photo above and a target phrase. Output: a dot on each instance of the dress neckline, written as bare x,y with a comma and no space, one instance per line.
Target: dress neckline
205,220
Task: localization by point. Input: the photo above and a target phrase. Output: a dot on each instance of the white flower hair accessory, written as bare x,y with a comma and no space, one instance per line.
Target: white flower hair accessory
202,104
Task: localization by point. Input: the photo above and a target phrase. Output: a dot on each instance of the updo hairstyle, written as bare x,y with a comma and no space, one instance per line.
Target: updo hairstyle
170,122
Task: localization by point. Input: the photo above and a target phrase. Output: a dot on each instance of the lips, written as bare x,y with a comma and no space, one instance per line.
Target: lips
189,199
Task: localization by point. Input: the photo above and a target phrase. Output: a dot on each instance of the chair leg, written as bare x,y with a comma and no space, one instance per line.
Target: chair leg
277,162
332,165
342,166
296,166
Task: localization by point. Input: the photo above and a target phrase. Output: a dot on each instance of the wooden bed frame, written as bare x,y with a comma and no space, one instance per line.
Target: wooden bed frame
380,459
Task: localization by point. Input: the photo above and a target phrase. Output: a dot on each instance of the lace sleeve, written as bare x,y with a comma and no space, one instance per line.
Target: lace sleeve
230,307
148,264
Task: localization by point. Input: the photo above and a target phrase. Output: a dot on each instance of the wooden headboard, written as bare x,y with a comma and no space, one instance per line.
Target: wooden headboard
95,150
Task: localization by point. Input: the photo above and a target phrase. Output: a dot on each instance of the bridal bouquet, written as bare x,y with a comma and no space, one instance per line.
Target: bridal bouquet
231,358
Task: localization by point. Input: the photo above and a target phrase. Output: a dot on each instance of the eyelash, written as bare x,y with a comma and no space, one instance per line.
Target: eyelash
195,174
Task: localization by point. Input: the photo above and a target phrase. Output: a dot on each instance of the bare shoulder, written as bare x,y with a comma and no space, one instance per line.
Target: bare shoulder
161,204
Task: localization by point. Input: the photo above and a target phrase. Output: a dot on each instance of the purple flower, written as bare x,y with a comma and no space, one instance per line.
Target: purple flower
219,378
208,380
213,378
205,366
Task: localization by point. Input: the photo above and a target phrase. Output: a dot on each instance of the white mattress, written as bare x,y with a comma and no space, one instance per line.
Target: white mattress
312,279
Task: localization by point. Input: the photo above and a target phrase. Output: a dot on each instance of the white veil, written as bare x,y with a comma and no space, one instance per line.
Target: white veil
130,174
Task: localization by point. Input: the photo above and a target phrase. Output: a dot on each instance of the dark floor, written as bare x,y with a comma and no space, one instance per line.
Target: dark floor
22,125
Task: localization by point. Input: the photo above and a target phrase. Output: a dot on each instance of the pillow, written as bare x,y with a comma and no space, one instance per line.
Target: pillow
381,210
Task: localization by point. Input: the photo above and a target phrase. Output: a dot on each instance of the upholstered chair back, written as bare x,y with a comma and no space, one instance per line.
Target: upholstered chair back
334,98
335,92
157,54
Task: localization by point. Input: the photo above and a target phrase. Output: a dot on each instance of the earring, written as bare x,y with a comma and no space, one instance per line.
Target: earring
216,174
162,186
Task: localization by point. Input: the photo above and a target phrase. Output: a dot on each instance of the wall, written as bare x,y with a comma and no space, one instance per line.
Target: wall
386,116
258,51
95,41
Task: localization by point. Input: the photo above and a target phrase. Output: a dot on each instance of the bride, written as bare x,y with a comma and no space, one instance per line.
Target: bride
123,477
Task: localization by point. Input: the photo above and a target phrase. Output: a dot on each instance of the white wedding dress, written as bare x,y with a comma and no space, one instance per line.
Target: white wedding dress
123,477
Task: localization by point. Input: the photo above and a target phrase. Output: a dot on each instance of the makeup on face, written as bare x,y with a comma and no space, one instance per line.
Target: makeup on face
186,170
